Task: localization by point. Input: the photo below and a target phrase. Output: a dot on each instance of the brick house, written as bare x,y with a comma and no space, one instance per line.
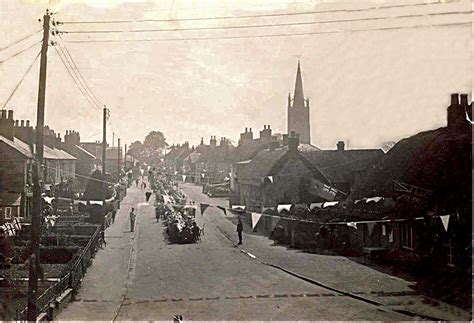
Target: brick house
294,173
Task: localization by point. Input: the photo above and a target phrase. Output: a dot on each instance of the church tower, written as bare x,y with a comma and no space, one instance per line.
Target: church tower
298,111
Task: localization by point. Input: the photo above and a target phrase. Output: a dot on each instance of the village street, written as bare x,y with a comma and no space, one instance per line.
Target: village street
138,276
214,280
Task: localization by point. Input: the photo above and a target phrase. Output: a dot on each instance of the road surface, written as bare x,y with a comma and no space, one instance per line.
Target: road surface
139,276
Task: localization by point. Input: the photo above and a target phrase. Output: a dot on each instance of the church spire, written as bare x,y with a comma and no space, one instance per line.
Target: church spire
298,97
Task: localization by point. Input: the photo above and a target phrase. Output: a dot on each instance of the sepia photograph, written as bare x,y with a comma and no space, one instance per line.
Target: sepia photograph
236,160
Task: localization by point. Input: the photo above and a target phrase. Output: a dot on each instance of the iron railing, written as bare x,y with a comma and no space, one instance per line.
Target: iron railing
71,280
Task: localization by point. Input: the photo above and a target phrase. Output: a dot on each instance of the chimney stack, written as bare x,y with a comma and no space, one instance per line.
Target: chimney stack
464,103
454,99
293,142
340,146
7,125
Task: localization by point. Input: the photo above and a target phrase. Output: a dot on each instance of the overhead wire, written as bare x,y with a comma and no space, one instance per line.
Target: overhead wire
19,52
21,80
79,74
340,31
304,23
91,103
20,40
253,16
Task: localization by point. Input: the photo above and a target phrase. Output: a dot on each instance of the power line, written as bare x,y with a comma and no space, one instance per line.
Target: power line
305,23
19,52
270,35
21,80
251,16
79,74
20,40
79,86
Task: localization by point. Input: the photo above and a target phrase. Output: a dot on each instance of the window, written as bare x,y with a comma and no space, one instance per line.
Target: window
449,252
407,236
8,213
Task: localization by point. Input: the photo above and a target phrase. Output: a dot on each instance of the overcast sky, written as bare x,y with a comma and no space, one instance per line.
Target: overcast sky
365,87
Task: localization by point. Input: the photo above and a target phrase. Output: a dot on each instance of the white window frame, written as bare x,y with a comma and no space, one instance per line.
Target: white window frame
8,213
406,233
450,254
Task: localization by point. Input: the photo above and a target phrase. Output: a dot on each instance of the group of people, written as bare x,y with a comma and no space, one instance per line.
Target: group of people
142,184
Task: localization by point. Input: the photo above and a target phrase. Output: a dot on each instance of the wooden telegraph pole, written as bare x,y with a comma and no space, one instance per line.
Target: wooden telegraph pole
118,160
104,149
34,268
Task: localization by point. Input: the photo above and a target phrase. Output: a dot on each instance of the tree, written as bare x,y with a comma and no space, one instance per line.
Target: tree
154,146
155,140
136,149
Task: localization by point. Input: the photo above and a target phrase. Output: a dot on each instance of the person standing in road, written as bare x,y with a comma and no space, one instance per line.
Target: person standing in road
136,182
132,220
239,230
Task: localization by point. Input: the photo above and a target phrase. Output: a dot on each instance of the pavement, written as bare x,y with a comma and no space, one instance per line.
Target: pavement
366,282
140,276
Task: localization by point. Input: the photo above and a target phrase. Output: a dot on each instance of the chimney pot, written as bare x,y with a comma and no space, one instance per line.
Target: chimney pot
340,146
22,123
16,123
464,100
246,129
10,114
4,114
27,123
454,99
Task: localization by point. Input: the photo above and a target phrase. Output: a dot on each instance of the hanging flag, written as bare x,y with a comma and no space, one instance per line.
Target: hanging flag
352,224
223,209
184,178
390,236
312,206
282,207
17,223
384,230
374,199
270,178
323,190
203,206
238,207
370,227
176,172
266,208
202,175
445,220
255,218
330,204
141,171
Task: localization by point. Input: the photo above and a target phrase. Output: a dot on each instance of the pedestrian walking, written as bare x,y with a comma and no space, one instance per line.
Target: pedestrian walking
136,182
132,220
144,185
239,230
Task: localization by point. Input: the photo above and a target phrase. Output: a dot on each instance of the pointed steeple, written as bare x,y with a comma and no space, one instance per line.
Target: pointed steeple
298,97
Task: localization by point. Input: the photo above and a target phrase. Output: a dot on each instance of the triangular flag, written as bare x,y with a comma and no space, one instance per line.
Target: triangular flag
445,220
238,207
282,207
255,218
176,172
270,178
352,224
203,206
384,230
370,226
184,178
202,175
223,209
